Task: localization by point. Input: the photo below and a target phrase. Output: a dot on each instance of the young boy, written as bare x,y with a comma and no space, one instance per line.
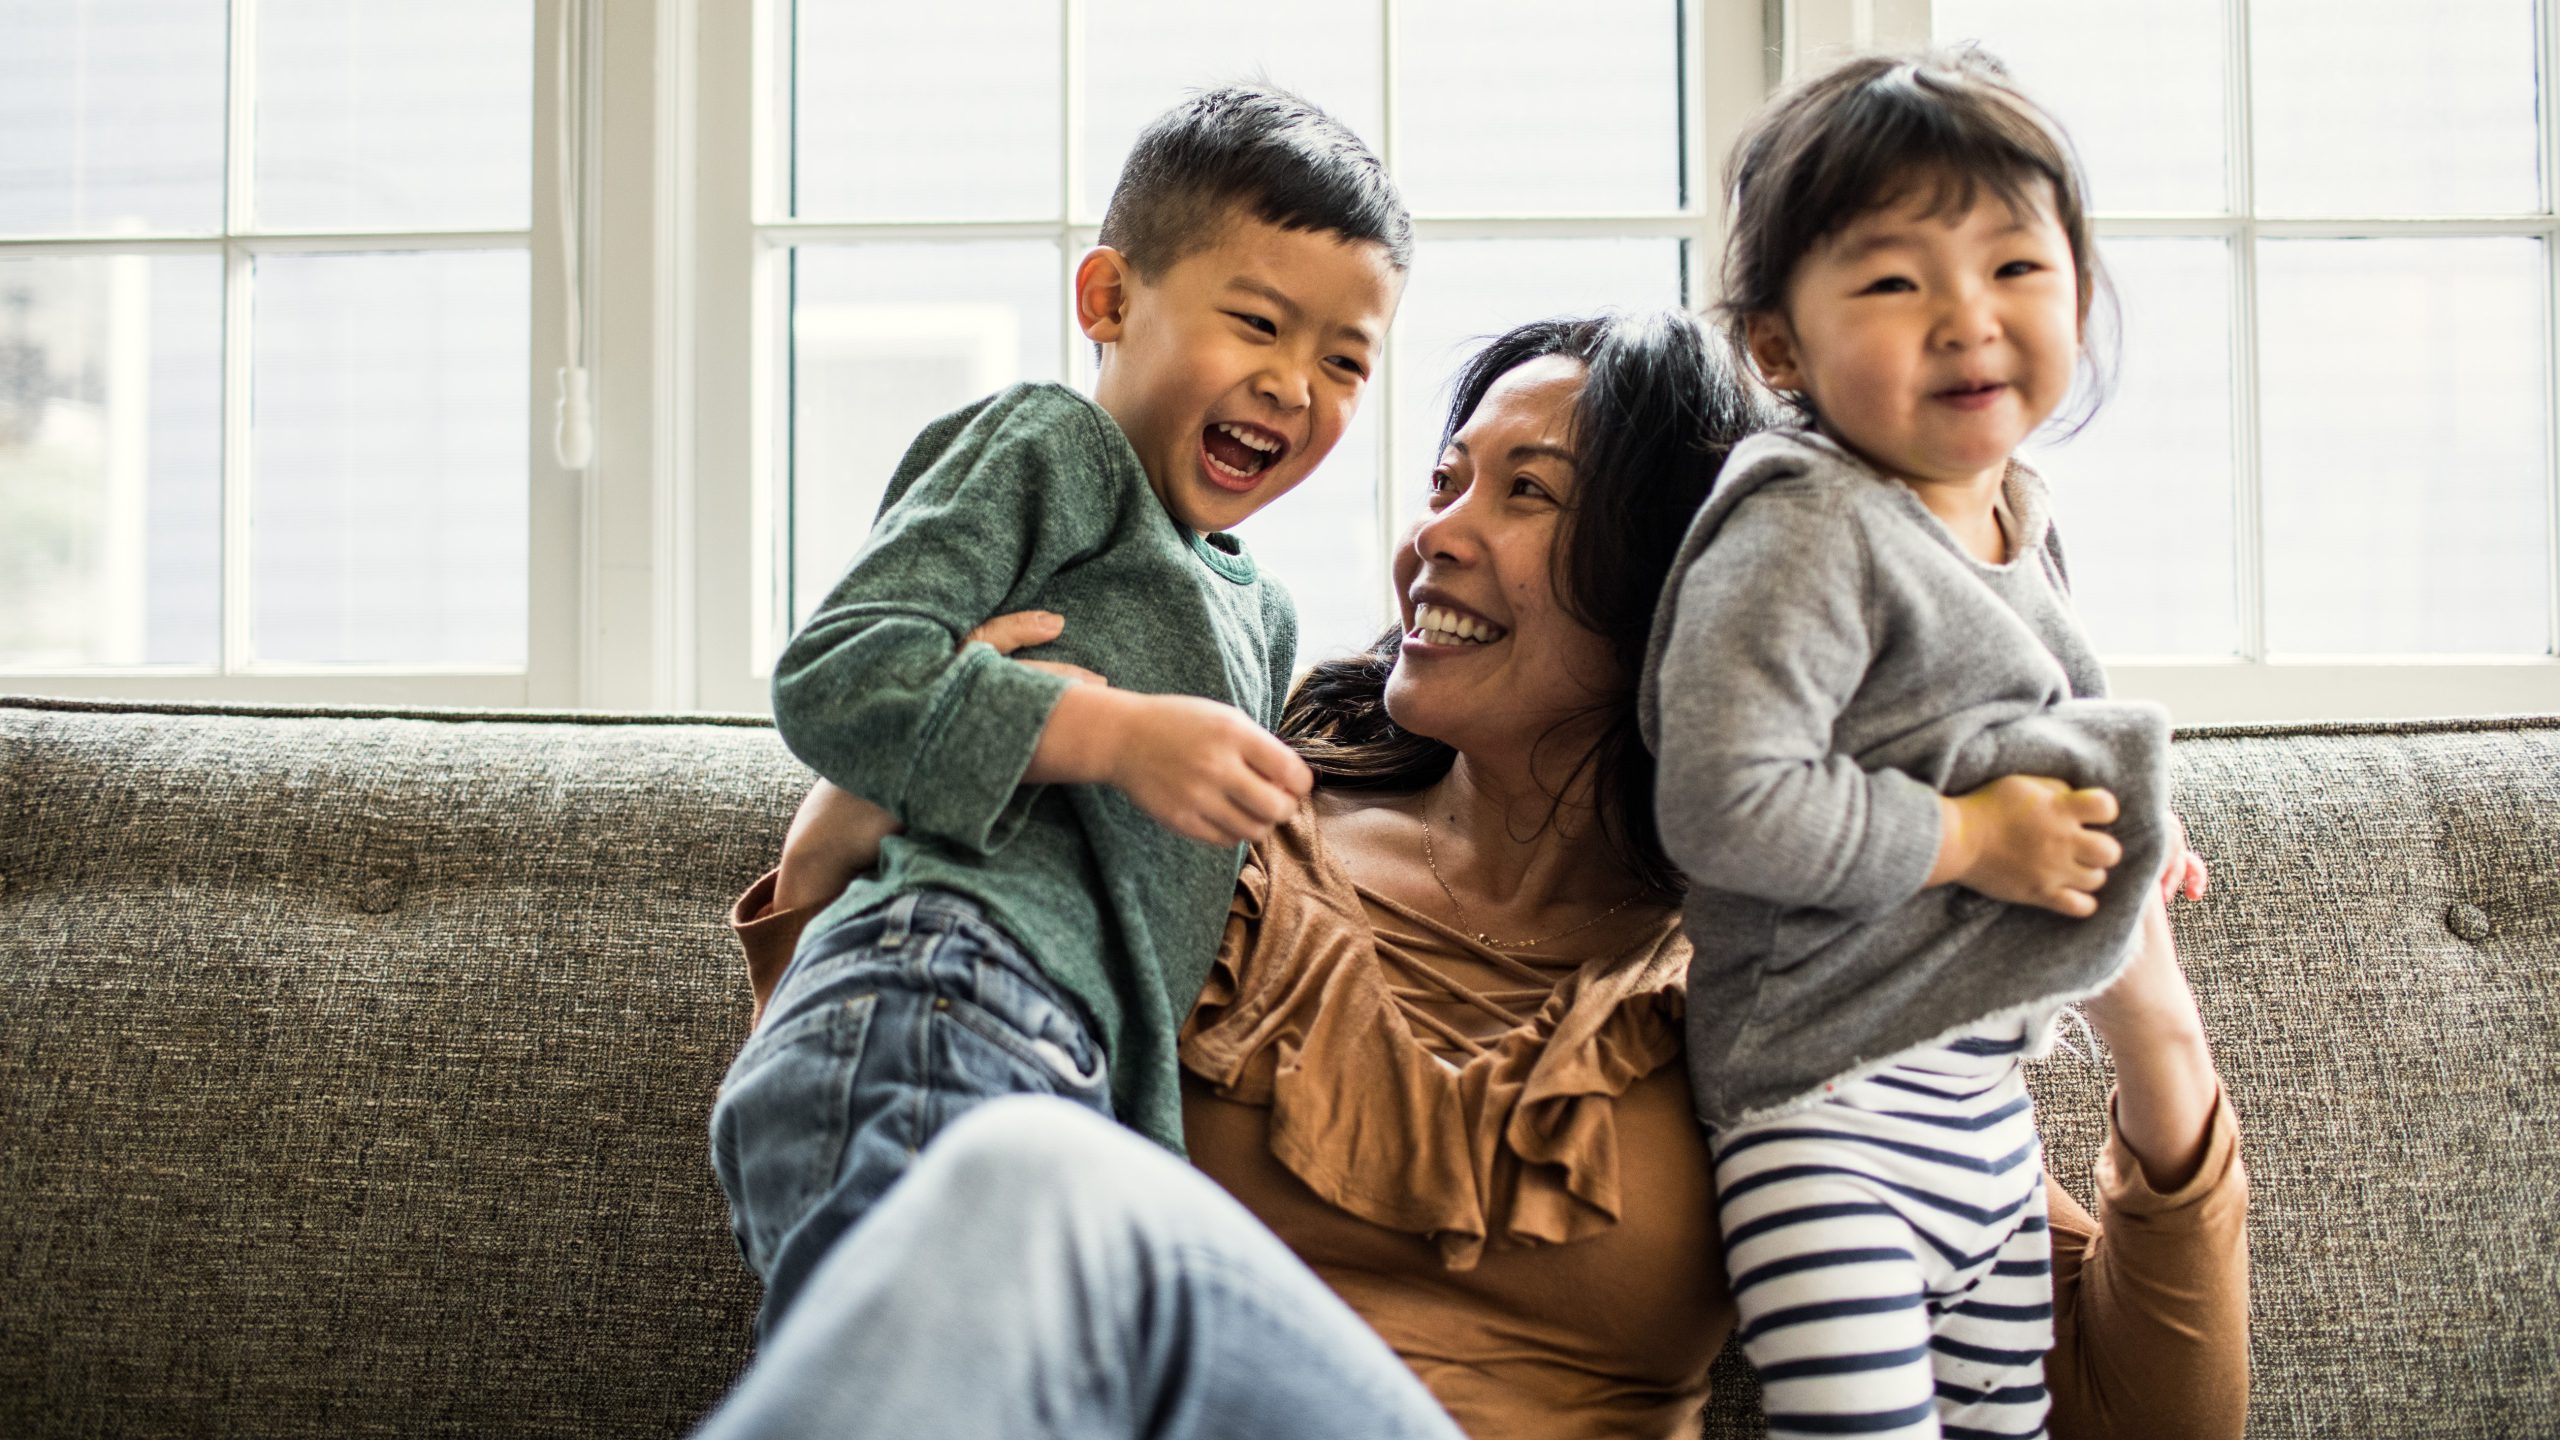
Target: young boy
1051,904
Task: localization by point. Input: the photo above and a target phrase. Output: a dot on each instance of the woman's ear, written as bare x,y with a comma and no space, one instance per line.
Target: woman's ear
1104,279
1772,343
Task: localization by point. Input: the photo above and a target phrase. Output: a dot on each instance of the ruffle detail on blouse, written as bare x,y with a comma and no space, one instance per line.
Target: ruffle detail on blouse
1516,1146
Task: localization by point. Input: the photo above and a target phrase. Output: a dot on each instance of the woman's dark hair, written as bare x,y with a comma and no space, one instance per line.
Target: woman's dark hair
1876,130
1658,412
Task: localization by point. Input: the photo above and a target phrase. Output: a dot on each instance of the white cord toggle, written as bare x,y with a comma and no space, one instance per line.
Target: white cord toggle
574,441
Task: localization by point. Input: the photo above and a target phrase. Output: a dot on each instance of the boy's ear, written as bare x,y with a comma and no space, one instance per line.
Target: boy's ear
1104,279
1772,343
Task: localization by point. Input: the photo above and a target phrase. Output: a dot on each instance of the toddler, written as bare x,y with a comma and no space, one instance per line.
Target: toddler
1913,830
1048,907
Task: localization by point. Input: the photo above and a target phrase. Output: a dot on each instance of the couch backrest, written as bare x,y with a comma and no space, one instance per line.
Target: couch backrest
355,1068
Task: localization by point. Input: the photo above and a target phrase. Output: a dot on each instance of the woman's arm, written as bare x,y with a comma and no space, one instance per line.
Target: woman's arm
836,834
2151,1298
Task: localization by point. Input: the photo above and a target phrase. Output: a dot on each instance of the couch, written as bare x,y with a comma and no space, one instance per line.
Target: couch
354,1067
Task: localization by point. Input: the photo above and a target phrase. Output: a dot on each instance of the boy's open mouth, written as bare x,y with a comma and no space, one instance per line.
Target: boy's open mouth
1238,454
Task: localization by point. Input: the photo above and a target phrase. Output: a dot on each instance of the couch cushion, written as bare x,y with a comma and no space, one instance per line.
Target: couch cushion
355,1068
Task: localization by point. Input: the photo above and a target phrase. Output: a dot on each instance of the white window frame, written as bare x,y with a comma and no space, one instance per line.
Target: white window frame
656,573
551,673
2256,685
746,234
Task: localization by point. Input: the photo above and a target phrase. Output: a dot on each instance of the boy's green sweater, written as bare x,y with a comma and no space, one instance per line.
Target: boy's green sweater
1033,500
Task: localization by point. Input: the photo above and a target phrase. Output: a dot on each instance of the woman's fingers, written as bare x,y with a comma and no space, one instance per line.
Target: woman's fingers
1077,673
1019,630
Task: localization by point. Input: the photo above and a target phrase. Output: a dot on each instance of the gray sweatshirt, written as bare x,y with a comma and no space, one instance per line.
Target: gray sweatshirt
1826,661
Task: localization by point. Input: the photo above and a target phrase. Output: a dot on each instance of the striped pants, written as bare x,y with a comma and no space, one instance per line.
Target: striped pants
1888,1252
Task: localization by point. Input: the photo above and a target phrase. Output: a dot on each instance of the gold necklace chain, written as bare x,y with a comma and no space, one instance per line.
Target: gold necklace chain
1486,940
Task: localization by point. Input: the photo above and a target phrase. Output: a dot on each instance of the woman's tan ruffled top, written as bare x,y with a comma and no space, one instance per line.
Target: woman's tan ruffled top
1448,1134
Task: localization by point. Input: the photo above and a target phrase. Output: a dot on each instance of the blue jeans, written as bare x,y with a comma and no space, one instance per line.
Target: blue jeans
884,1031
1044,1272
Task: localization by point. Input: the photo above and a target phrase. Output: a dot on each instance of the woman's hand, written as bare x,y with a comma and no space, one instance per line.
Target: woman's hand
836,834
2166,1087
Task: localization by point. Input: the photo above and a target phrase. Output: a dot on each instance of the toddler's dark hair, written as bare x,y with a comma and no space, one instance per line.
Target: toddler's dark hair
1280,158
1873,132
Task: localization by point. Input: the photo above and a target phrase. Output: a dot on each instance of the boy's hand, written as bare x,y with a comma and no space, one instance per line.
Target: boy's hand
1205,770
1202,769
2029,840
2186,873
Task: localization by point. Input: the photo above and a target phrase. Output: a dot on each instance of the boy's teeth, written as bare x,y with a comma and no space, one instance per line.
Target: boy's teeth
1247,437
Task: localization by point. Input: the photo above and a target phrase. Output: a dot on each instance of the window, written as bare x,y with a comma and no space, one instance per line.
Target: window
266,310
2327,480
914,237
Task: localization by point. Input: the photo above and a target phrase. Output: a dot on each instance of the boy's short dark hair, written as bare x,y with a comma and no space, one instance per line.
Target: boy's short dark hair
1280,158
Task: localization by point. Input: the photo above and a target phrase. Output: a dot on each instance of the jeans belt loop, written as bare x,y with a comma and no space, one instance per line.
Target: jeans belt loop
898,923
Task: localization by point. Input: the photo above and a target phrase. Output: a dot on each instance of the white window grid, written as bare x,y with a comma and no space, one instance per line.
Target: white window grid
236,674
1720,73
2492,683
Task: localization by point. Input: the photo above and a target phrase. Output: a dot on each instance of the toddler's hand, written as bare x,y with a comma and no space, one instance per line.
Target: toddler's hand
1205,770
2186,873
2031,840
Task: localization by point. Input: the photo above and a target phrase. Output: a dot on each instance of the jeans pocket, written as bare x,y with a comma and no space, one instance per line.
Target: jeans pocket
1032,1028
783,1119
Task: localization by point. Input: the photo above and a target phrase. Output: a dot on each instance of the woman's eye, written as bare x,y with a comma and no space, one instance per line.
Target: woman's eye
1526,486
1256,322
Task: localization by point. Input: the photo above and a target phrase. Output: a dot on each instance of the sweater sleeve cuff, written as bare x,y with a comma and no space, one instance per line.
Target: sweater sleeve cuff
965,785
2123,1189
1899,849
767,937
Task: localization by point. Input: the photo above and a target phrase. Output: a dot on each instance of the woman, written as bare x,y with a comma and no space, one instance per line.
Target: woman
1438,1058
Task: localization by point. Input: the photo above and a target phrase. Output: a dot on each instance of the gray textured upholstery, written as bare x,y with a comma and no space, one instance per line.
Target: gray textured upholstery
355,1068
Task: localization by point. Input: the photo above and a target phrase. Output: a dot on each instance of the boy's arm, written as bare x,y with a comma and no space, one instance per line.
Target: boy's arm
1280,631
1770,638
871,693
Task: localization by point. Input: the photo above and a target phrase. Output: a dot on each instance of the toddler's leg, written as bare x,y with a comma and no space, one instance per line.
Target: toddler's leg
1990,1346
890,1028
1831,1296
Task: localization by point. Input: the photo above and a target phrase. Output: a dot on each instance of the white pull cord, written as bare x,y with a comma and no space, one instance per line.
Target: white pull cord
573,441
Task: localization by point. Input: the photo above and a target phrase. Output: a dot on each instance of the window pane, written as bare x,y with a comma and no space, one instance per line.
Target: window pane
1141,56
1502,108
2143,495
925,112
2402,420
2139,88
1465,292
388,429
885,338
1322,540
110,461
381,116
111,116
2378,107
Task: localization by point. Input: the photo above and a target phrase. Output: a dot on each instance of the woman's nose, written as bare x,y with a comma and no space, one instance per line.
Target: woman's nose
1450,532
